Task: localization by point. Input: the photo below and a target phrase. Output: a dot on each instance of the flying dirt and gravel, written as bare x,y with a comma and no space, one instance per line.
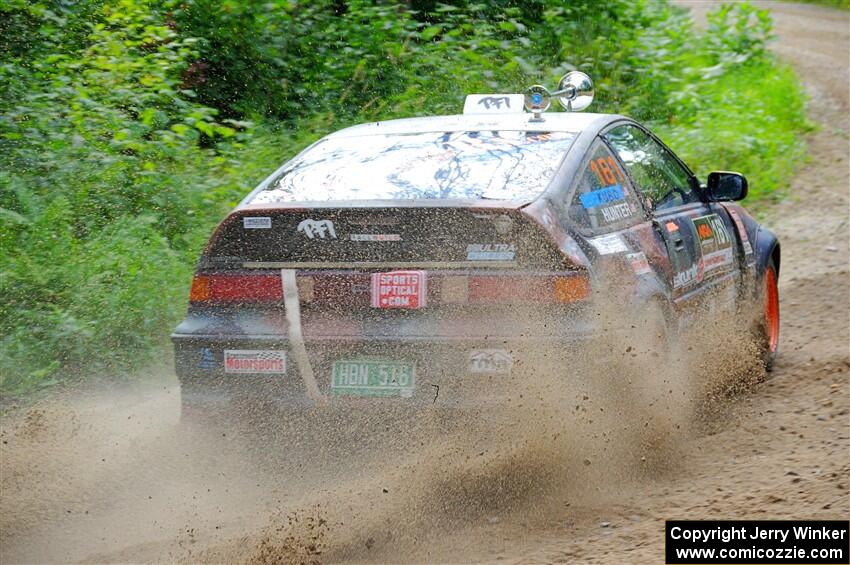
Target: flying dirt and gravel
583,476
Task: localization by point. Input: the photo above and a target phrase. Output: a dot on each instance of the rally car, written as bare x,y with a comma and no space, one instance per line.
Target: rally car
392,257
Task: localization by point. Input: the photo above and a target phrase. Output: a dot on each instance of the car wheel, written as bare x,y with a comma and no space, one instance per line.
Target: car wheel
768,326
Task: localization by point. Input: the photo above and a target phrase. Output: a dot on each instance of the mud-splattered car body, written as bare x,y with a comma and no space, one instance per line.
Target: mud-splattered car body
347,275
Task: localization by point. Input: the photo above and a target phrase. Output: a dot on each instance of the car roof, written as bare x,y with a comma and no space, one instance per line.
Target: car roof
585,125
574,122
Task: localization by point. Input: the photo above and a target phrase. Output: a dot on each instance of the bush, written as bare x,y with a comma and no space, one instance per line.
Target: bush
128,128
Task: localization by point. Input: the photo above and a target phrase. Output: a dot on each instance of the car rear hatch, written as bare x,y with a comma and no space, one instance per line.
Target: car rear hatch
430,236
457,268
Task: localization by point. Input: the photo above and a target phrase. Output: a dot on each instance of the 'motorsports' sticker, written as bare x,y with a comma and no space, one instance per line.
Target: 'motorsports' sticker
254,361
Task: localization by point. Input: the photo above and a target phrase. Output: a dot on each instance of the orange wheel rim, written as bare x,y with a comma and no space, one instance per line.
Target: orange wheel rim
771,309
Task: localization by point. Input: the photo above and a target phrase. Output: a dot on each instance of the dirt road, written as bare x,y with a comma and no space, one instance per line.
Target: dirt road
105,478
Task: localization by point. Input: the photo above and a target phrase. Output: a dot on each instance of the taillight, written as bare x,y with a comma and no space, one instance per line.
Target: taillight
200,291
236,288
571,289
507,289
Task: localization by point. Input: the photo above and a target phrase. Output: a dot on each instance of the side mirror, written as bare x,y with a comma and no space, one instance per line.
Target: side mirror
724,186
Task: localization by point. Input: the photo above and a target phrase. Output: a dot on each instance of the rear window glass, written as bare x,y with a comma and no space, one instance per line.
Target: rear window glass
500,165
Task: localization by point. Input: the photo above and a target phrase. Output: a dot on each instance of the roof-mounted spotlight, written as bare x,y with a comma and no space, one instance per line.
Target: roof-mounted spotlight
575,93
537,100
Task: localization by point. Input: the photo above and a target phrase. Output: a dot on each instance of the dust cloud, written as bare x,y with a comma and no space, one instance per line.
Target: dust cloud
115,476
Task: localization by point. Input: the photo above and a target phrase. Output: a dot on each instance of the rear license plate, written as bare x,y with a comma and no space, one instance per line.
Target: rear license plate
399,289
373,378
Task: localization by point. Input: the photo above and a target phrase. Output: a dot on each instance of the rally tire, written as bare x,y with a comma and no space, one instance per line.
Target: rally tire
767,333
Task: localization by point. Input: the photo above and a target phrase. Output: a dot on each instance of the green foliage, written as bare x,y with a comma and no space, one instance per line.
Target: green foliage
756,130
841,4
128,128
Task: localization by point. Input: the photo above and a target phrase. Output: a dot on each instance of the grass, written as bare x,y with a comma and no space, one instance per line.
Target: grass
749,122
840,4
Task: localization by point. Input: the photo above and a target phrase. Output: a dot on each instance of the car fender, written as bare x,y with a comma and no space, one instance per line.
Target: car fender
766,246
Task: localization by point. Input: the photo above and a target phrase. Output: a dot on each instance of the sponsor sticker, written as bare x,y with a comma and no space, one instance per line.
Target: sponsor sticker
493,104
745,238
616,212
639,263
375,237
717,259
490,361
607,195
206,359
357,288
399,289
263,361
258,223
608,244
504,224
715,242
671,226
687,277
317,229
490,252
375,221
711,231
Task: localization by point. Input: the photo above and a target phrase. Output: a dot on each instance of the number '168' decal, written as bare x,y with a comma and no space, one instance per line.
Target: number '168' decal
605,171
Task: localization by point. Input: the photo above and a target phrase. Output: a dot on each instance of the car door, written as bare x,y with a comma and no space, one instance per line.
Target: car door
698,239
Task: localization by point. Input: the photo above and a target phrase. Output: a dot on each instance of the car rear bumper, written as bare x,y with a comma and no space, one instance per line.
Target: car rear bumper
449,370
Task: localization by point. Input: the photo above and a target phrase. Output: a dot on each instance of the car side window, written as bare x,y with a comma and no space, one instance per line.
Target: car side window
659,176
603,198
